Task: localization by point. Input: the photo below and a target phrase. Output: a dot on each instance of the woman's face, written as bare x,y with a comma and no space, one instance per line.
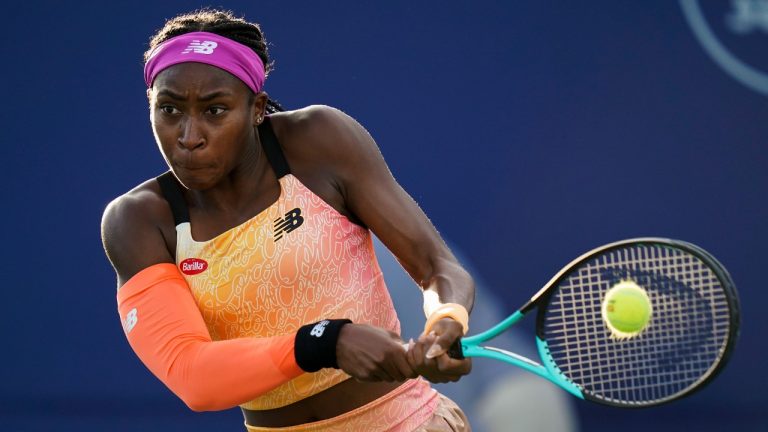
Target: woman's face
203,119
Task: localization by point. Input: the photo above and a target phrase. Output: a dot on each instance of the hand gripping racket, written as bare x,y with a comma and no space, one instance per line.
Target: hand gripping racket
688,338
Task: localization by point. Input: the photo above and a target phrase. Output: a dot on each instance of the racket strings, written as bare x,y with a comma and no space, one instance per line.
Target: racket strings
681,346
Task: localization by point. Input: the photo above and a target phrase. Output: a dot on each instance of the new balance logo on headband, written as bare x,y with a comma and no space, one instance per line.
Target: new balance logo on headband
205,47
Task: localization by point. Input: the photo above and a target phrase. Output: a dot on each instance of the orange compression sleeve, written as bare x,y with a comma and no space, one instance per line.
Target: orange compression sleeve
166,330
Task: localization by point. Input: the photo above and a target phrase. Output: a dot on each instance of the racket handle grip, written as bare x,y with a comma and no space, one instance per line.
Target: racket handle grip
455,350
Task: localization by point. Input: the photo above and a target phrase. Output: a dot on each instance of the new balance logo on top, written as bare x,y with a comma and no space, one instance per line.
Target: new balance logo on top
319,328
204,47
290,222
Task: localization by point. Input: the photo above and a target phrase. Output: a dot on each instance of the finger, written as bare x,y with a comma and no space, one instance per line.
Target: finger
424,337
450,378
385,369
395,363
441,378
448,332
410,359
439,346
393,369
417,357
430,363
451,366
404,367
419,363
410,355
420,347
428,343
435,350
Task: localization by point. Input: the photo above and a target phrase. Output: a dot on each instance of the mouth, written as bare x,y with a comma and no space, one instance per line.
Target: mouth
191,165
193,174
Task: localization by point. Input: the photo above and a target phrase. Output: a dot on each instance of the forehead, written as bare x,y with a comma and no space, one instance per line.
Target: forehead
192,76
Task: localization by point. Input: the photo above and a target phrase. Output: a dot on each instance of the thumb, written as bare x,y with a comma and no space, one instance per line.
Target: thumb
439,347
435,351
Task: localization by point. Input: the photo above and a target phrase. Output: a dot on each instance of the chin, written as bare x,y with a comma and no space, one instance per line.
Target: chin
198,180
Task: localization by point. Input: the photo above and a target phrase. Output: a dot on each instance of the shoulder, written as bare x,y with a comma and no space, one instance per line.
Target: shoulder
312,117
142,203
320,125
323,134
134,228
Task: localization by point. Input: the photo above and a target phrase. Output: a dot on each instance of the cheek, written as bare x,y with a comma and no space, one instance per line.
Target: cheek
162,138
165,141
236,135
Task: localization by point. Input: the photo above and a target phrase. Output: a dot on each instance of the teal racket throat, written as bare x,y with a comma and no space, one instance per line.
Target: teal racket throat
471,348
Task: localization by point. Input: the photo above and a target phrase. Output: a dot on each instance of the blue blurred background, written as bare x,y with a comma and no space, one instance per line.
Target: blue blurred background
529,132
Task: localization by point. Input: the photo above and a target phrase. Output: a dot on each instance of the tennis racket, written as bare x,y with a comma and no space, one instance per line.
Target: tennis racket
687,341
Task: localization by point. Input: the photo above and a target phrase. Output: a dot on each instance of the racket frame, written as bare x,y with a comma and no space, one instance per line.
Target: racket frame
470,346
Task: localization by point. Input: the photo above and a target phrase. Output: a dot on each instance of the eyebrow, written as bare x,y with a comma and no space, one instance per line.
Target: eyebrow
204,98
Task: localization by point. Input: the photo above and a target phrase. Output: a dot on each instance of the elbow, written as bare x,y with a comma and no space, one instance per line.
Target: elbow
203,402
199,407
200,398
195,387
197,404
196,407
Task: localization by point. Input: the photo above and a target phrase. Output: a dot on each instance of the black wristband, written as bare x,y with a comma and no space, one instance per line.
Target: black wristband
315,344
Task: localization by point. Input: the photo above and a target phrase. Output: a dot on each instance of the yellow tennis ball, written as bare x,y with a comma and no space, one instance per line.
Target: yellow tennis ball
626,310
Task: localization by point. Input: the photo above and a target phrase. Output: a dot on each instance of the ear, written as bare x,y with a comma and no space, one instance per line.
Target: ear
259,107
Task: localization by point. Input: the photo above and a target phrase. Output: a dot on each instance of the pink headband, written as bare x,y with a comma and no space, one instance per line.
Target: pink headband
208,48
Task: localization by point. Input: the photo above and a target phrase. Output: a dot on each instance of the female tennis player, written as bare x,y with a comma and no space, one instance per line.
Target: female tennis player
246,274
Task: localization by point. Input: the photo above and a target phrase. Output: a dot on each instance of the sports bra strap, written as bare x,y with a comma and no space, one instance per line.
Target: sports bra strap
272,149
172,193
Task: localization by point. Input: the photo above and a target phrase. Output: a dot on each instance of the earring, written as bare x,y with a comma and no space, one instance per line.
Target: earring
259,120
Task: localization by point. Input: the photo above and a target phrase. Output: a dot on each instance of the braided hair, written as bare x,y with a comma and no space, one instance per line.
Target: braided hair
223,23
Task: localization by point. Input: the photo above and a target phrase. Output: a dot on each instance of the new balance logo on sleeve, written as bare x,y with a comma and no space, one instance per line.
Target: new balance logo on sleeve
319,328
130,320
292,220
204,47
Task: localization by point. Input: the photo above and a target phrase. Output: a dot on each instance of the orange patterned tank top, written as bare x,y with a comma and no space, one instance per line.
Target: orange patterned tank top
296,262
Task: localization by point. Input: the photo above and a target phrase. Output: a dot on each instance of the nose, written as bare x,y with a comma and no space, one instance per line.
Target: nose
191,137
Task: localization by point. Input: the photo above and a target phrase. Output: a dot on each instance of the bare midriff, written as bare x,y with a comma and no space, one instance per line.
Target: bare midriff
335,401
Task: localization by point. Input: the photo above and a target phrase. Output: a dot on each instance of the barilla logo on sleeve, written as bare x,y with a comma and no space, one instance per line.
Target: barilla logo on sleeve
193,266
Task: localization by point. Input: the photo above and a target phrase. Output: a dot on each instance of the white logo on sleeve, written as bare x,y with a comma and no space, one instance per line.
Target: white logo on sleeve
130,320
319,328
204,47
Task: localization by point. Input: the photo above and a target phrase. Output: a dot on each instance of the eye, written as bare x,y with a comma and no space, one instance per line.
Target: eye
216,110
169,109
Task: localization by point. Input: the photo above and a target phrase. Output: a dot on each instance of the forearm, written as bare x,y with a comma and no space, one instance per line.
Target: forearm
167,332
216,375
449,282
